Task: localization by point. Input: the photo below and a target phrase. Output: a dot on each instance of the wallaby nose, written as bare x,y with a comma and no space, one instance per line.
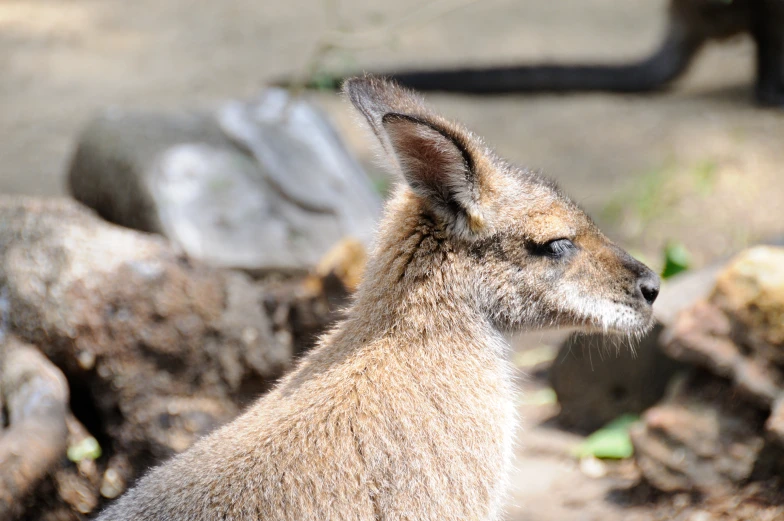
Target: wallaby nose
649,286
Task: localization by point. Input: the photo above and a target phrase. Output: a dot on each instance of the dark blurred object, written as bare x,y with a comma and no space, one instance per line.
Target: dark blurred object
157,350
692,23
701,438
263,186
300,309
600,377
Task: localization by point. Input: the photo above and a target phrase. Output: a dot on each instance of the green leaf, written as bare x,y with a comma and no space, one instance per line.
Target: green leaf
88,448
676,260
611,441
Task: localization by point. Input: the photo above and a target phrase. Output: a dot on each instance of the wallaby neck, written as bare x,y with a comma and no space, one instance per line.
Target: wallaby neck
433,312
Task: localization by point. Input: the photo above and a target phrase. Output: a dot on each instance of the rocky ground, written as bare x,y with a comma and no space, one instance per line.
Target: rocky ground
699,164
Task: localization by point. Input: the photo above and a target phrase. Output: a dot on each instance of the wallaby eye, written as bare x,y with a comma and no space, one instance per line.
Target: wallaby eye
557,248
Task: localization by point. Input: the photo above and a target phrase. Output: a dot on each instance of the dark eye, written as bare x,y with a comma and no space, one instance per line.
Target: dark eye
557,248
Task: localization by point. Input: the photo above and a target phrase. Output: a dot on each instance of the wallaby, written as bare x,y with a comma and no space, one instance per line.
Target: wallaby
406,409
691,23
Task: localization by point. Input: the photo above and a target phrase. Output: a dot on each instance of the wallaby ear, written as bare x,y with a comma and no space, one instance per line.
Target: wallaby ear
432,154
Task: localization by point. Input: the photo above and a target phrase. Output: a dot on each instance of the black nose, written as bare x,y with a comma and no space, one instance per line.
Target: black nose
649,286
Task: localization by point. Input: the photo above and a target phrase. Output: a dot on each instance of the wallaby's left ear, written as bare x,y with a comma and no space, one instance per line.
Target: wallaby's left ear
437,167
434,156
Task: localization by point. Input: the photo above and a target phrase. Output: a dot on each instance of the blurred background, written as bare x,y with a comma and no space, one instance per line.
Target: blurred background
685,165
683,178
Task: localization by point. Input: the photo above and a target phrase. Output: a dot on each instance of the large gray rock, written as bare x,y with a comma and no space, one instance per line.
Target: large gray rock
263,185
113,166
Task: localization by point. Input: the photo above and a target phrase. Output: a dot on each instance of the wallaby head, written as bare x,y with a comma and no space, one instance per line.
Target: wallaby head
505,240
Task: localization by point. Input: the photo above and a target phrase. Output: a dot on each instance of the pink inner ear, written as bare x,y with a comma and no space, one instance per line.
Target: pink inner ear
430,161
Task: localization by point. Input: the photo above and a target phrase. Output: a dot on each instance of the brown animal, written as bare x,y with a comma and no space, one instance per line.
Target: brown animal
406,409
691,24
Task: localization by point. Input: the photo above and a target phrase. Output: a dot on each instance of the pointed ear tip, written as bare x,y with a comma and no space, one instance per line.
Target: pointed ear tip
370,95
358,91
350,85
361,84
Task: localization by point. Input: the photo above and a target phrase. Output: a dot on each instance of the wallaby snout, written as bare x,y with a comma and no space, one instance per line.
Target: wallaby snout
648,285
646,282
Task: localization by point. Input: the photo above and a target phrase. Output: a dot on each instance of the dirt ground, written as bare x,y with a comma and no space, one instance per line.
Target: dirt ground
699,164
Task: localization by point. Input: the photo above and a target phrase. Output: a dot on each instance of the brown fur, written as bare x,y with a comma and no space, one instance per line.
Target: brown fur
406,409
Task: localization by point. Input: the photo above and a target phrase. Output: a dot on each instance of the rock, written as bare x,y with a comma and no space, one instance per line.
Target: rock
158,348
775,423
751,292
701,336
684,290
116,157
299,309
737,332
728,428
598,378
755,501
304,159
701,439
136,326
35,394
262,186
